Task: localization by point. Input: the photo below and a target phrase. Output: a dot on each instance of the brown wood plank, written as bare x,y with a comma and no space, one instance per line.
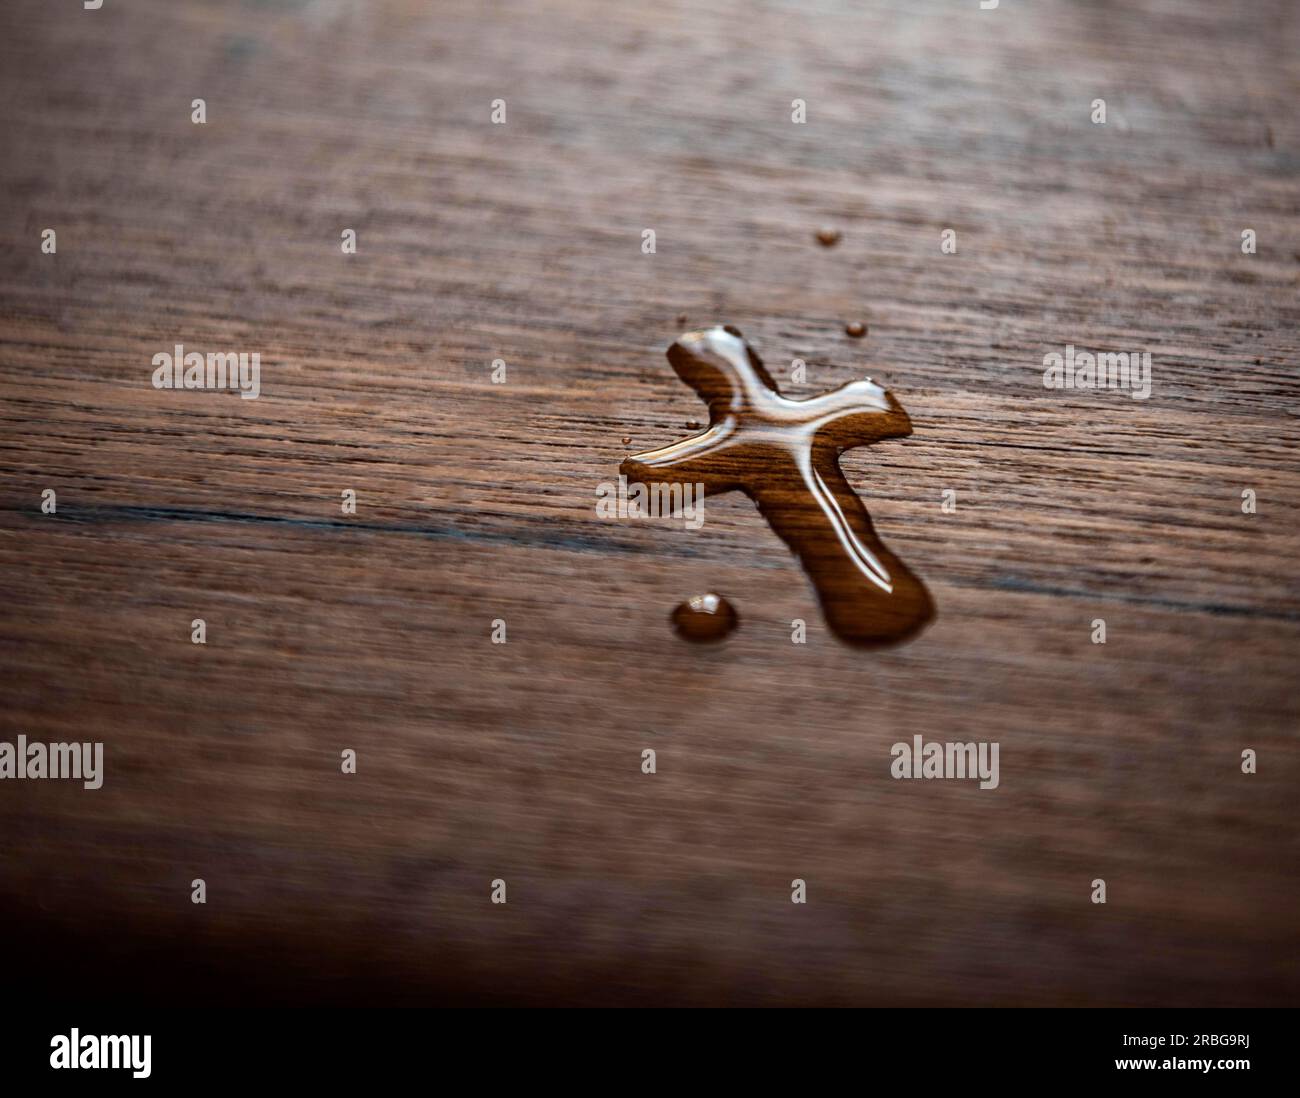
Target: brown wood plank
476,501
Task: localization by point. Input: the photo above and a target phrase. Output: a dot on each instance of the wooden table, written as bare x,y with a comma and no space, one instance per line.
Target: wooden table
522,242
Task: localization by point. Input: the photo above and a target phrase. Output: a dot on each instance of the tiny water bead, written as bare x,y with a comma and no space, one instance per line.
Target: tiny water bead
704,618
827,236
856,329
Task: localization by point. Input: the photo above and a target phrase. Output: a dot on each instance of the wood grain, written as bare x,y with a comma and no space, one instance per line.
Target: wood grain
476,501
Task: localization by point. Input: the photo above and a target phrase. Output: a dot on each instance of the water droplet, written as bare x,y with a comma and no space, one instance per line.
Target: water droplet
828,237
692,424
784,454
856,329
627,440
704,618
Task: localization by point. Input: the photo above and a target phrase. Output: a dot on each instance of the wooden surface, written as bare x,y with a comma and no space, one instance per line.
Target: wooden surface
476,501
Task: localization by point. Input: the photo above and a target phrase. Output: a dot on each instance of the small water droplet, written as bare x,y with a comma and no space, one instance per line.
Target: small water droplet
692,424
828,237
704,618
627,440
856,329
